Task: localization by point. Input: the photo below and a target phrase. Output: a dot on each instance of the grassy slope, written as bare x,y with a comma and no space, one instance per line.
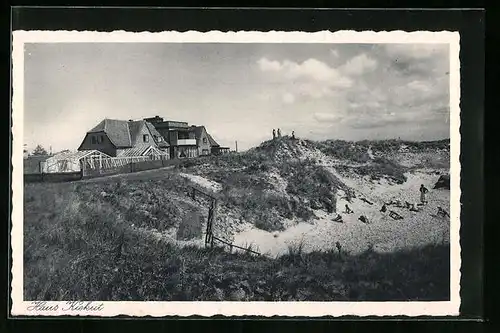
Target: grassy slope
247,189
79,245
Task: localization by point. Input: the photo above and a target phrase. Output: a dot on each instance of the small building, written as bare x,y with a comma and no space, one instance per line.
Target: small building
125,138
71,161
32,163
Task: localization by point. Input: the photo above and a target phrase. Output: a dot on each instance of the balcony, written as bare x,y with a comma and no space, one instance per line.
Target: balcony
186,142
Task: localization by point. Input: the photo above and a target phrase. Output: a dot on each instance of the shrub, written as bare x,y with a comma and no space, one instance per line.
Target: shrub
315,184
383,167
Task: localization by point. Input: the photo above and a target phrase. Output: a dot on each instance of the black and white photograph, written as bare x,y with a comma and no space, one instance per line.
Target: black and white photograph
236,174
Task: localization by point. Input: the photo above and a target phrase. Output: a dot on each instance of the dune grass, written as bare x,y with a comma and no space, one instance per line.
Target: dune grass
80,249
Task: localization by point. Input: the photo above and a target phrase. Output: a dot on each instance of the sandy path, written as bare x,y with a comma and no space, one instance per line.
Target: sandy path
203,182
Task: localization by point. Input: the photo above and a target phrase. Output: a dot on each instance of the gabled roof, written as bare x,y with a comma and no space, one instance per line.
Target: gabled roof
212,142
198,130
124,134
154,132
134,130
117,130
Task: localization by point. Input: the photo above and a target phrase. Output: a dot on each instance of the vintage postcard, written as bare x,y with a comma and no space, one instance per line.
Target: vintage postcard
235,173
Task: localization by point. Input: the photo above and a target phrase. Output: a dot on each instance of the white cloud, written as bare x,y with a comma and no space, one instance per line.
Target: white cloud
327,117
359,65
311,69
312,78
288,98
268,65
419,85
313,89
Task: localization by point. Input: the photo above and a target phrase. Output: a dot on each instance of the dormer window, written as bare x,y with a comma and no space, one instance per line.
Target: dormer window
204,140
145,138
93,140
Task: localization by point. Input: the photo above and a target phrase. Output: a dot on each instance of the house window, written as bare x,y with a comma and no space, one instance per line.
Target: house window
159,139
93,140
204,140
145,138
183,135
100,139
205,151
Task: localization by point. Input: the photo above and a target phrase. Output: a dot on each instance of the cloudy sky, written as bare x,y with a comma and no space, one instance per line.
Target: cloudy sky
239,91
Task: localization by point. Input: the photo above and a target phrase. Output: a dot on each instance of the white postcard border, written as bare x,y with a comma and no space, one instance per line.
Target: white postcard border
266,309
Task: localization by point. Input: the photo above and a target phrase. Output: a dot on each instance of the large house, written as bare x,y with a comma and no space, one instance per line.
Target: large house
185,140
120,138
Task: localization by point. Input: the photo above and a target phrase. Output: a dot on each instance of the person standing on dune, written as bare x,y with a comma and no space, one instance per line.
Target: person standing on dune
423,192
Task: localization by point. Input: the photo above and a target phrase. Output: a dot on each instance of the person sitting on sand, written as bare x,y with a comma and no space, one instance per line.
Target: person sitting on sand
338,218
383,209
363,219
395,215
413,208
348,210
442,212
423,192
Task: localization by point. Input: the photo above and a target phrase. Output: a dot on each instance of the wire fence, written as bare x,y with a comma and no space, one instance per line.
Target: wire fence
210,238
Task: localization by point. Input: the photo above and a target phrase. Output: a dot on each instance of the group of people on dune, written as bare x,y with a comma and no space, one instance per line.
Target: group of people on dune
423,201
278,134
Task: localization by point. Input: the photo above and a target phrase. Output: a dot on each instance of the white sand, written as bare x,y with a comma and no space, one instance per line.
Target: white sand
203,182
384,233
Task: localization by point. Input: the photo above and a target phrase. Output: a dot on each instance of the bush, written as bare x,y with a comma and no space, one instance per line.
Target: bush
383,167
314,183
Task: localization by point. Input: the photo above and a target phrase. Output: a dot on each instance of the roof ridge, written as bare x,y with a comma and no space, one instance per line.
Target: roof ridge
129,136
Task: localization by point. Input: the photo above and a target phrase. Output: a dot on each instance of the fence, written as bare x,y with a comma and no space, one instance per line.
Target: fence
86,172
210,239
52,177
111,162
145,164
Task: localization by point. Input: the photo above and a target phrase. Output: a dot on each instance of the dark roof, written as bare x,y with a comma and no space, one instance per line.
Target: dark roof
212,142
197,131
124,134
154,132
134,129
117,130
